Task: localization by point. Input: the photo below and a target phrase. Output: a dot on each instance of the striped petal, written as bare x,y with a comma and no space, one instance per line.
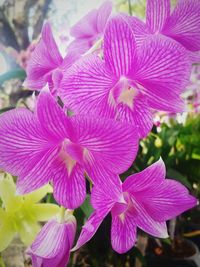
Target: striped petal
22,142
119,46
69,188
157,14
146,179
139,115
162,69
52,118
123,233
108,145
52,247
85,87
145,221
184,24
44,59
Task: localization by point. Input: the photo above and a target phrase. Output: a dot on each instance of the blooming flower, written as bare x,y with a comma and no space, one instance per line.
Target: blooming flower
145,200
46,63
90,29
51,247
48,146
183,24
22,214
130,80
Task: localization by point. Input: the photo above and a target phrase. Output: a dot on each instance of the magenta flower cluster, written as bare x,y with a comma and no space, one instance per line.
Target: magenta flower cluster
116,72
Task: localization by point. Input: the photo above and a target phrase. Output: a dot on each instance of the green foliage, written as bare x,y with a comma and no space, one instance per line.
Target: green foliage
179,146
13,74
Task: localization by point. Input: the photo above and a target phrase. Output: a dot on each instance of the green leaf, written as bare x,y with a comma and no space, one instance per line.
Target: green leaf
171,173
13,74
86,207
6,109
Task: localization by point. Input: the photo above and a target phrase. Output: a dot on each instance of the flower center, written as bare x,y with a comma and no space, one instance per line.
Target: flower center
123,93
70,154
120,209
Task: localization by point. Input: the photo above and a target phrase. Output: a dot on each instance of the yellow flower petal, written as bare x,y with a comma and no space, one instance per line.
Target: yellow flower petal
6,235
39,194
28,231
7,193
44,212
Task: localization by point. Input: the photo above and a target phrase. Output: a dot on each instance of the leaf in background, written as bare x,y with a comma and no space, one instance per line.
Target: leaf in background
86,207
173,174
6,109
13,74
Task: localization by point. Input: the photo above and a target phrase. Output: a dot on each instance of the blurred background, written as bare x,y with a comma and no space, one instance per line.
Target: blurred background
176,138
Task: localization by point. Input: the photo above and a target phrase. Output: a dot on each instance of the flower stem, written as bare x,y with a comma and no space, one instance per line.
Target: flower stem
129,7
2,264
62,214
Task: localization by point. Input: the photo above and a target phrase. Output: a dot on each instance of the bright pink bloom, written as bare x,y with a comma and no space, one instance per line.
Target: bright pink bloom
130,80
51,247
90,28
46,63
145,200
183,24
48,146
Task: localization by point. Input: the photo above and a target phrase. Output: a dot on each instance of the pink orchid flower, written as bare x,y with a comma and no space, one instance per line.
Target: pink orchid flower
48,146
46,63
130,80
146,200
183,24
88,30
52,245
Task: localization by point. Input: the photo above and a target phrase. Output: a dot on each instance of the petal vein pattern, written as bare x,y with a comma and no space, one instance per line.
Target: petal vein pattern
48,146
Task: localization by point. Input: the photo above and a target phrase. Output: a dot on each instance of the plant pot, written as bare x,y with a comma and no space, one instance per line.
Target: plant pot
167,257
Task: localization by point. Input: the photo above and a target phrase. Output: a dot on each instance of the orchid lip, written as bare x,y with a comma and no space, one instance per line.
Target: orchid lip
66,157
123,93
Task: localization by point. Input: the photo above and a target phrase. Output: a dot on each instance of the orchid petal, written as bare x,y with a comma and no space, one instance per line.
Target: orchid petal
157,14
145,222
39,175
38,195
79,46
28,231
163,69
106,143
103,14
167,200
139,28
150,177
85,84
69,188
86,26
119,46
7,233
51,245
21,141
140,115
52,118
184,25
44,59
7,185
44,211
106,194
123,233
